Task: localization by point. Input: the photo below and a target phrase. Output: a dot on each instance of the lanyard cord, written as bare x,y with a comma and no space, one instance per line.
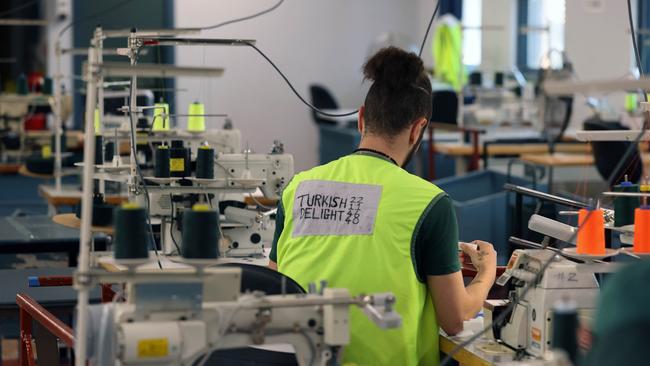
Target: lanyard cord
362,149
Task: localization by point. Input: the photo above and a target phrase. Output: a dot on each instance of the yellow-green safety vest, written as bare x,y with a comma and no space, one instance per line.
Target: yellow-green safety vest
352,222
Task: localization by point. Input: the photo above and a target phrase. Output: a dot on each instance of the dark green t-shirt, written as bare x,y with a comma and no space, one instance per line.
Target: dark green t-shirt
436,241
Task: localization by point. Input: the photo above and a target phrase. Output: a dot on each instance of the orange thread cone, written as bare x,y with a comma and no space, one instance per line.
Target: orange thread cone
642,230
591,234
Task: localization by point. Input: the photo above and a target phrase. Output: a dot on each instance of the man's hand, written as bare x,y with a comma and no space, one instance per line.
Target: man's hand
483,257
455,302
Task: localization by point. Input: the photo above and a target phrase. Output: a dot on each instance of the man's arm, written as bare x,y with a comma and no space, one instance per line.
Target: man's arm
273,265
454,302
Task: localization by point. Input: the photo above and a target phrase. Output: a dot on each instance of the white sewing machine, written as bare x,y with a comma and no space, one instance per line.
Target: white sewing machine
234,173
252,229
528,327
177,319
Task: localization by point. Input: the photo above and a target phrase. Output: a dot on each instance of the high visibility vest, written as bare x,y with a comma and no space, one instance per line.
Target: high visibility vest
352,222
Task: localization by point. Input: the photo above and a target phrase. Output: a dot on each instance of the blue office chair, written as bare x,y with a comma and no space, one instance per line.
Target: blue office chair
607,154
257,278
445,107
321,98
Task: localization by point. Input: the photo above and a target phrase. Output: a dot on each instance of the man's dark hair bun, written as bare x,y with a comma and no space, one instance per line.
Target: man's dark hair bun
400,93
393,67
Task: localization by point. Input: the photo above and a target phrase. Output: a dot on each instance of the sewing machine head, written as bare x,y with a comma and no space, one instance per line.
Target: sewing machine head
528,327
179,318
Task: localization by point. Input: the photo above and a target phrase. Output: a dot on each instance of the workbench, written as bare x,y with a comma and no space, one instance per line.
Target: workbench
561,159
106,261
482,352
9,168
462,152
38,234
70,195
70,220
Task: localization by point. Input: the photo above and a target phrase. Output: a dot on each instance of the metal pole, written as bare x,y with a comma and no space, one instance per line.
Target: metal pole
86,204
100,100
34,311
133,54
57,119
544,196
25,355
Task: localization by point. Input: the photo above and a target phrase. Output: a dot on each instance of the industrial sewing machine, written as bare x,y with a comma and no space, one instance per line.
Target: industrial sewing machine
236,175
245,230
528,327
180,318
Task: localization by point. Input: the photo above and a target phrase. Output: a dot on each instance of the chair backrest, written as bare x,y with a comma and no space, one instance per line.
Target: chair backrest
321,98
607,154
258,278
445,107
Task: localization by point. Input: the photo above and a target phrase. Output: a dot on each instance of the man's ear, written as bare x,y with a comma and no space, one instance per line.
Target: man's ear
360,122
417,129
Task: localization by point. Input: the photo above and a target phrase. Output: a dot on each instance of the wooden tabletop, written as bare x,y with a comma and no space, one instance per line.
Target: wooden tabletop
566,160
509,149
9,168
74,139
72,197
463,357
483,352
23,171
259,200
72,221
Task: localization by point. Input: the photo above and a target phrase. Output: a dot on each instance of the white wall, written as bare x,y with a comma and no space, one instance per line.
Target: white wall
310,40
599,46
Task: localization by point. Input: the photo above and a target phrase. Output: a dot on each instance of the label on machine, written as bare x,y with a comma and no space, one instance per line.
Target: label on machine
153,348
177,165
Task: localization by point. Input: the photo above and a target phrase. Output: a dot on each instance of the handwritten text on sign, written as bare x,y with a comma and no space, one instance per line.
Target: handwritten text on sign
335,208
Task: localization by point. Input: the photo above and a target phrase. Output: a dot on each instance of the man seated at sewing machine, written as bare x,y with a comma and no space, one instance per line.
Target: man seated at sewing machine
364,223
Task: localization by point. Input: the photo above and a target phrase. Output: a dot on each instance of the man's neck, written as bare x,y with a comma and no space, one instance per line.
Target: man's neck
381,145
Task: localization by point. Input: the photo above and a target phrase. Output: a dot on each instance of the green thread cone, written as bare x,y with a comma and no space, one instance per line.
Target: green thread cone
196,120
160,123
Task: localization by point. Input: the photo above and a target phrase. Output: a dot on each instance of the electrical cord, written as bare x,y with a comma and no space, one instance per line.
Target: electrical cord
19,8
300,97
248,17
426,34
171,225
499,319
250,44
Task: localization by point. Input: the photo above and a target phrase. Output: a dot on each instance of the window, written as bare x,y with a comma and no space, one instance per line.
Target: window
540,33
471,20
